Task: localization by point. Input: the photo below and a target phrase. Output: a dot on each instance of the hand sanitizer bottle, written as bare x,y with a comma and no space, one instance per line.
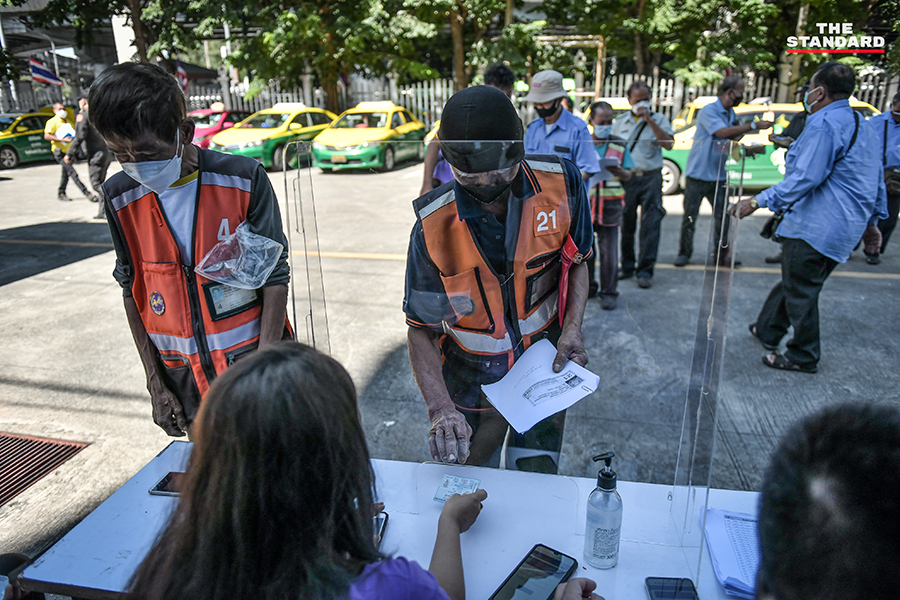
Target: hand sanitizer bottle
604,519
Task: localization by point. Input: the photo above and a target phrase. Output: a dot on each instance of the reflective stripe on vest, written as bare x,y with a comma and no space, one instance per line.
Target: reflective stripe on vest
474,292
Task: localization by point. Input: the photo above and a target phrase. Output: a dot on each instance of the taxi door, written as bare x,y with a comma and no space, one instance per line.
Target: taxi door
29,139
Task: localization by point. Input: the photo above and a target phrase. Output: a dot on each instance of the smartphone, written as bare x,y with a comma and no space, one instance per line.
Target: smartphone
170,485
3,583
671,588
380,521
536,577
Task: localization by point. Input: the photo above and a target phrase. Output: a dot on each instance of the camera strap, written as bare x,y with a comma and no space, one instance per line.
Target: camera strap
640,130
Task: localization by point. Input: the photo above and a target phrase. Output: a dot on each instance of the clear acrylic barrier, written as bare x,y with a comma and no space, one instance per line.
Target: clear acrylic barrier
659,353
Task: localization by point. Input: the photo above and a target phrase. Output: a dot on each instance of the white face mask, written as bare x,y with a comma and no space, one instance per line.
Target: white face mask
639,105
896,113
157,175
62,114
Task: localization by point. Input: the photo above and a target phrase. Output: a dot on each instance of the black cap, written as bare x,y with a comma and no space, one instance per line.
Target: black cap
606,478
481,131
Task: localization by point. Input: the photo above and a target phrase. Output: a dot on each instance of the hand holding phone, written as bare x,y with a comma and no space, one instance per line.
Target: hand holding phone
579,588
538,575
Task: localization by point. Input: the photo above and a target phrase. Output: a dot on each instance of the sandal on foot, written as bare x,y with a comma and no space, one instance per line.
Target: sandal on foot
752,328
782,363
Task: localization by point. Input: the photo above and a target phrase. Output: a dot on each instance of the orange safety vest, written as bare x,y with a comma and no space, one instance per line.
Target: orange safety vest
193,321
608,191
479,297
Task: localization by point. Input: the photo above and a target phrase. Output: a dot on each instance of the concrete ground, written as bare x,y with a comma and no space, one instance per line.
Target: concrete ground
70,370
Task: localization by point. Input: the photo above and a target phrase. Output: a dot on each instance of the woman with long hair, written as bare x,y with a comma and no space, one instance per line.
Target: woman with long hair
277,502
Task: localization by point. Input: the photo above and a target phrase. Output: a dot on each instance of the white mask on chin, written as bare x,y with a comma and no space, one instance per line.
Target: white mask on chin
157,175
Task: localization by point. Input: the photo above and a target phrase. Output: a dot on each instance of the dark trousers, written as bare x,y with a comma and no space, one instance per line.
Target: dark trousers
887,225
695,190
68,172
606,248
646,192
98,164
795,301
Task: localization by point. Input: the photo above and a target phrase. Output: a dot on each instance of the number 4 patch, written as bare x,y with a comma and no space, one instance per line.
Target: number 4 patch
224,232
544,221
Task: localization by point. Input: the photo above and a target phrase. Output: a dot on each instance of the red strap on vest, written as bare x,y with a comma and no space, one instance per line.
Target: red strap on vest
570,256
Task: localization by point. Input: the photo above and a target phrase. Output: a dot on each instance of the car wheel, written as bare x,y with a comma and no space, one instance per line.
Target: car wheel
277,163
9,158
326,171
671,176
388,164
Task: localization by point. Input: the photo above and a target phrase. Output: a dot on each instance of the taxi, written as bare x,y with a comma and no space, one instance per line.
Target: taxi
372,135
761,171
210,121
22,138
264,134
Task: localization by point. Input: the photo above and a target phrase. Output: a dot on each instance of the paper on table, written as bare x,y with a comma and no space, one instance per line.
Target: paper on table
734,547
531,391
604,174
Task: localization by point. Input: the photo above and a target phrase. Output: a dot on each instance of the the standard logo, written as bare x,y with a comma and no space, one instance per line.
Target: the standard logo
157,304
835,38
462,305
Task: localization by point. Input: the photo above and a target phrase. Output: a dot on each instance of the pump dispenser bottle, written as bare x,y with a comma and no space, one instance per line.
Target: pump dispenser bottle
604,519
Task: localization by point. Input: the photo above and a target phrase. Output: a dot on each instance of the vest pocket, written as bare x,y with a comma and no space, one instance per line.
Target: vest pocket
543,283
239,353
164,307
468,299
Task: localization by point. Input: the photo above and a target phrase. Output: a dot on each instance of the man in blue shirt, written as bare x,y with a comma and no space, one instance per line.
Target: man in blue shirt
887,141
556,130
716,127
645,133
831,197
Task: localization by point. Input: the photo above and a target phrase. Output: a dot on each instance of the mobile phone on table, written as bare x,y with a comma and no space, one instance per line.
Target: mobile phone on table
170,485
380,521
671,588
536,577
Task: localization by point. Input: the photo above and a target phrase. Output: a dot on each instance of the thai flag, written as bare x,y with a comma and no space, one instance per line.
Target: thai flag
41,73
181,74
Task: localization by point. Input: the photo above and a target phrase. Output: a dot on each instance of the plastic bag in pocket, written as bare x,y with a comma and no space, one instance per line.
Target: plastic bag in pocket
243,259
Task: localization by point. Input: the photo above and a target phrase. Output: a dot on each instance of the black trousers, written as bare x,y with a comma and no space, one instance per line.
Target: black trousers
887,225
68,172
98,164
794,301
695,190
646,192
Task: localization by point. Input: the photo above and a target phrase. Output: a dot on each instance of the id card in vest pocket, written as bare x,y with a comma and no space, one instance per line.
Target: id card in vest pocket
224,300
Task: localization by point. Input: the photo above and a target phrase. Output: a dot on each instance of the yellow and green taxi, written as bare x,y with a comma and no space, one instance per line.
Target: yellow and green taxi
760,171
22,138
264,134
372,135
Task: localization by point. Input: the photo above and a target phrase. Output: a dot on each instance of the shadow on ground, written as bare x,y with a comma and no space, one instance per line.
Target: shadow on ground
35,249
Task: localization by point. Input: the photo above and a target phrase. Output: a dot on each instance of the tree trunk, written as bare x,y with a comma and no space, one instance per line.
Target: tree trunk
459,55
639,54
329,85
140,41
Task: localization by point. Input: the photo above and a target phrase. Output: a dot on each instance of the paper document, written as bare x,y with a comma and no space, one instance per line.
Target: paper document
734,547
604,174
531,391
65,132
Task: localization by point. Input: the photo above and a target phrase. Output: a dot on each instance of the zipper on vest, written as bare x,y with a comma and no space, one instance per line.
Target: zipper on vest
197,324
513,319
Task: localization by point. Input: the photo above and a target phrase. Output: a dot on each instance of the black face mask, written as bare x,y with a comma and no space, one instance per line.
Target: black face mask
548,112
488,194
738,100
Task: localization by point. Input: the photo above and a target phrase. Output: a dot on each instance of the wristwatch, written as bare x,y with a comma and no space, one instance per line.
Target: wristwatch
752,125
753,204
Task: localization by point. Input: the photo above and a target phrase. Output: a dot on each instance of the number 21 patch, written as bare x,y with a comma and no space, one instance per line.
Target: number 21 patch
545,221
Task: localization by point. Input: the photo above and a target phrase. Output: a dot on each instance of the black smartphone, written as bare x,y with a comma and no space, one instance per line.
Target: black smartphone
536,577
170,485
671,588
380,521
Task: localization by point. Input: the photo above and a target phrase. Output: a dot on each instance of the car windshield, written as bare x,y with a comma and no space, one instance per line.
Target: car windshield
362,120
265,121
203,121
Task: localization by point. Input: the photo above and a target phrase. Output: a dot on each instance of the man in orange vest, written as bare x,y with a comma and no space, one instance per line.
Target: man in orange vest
170,205
488,275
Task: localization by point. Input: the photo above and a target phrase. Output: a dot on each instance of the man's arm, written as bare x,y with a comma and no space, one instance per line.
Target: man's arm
431,161
274,310
666,140
449,437
80,134
734,132
571,345
168,412
49,132
458,514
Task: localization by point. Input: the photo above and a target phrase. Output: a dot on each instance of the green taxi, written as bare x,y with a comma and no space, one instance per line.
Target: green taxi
372,135
264,134
22,139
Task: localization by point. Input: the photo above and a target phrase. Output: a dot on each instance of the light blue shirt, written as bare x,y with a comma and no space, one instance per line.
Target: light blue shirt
647,153
568,137
893,138
709,153
836,198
